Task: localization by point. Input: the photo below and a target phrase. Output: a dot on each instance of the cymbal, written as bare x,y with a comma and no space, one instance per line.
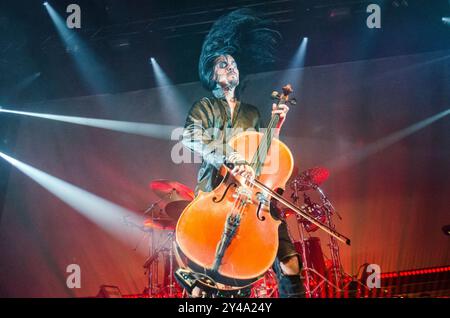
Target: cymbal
171,190
175,208
161,223
311,178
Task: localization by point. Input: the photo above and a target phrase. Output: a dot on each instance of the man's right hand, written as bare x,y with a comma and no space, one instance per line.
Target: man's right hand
243,170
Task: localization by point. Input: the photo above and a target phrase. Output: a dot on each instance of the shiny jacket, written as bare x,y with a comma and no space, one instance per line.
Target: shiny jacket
207,130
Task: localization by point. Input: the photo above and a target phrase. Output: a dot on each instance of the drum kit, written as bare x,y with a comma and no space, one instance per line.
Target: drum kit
174,197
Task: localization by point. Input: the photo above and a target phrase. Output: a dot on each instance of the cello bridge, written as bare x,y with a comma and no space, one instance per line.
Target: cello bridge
244,194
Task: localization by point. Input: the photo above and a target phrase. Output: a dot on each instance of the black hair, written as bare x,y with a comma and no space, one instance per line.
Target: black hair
244,35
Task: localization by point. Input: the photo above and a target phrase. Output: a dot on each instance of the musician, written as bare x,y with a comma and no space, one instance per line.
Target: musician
211,120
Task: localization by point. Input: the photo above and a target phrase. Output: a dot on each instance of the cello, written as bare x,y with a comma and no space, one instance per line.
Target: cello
229,234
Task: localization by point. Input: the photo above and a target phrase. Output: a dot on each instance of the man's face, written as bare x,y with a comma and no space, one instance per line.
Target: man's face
226,73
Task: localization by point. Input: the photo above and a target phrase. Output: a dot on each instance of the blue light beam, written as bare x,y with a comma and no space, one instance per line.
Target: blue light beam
90,68
172,102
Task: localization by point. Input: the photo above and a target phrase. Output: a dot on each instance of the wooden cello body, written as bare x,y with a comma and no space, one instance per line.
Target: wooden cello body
253,244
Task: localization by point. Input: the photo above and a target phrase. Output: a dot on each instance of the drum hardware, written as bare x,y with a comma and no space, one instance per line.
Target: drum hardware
176,196
152,206
267,287
154,260
143,228
171,190
310,180
127,222
337,268
295,185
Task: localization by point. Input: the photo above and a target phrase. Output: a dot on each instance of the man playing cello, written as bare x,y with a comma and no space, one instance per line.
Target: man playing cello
211,117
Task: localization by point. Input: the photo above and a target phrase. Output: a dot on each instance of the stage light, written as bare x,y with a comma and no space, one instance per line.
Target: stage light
161,78
88,65
446,20
45,3
293,75
136,128
299,58
107,215
174,103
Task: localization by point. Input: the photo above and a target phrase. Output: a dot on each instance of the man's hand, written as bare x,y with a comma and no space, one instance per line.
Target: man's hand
282,111
243,170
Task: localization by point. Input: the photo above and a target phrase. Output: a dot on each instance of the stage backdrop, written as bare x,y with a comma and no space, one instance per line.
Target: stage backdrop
362,120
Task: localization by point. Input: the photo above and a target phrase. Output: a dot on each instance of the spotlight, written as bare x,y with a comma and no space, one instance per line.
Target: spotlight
152,60
446,20
45,3
85,59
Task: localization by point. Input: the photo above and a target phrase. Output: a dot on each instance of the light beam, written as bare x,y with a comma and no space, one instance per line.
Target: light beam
107,215
136,128
383,143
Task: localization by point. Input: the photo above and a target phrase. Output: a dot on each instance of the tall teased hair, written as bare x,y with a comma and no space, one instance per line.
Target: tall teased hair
243,34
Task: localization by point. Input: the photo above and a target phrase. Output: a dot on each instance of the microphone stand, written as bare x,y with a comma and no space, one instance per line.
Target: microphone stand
152,253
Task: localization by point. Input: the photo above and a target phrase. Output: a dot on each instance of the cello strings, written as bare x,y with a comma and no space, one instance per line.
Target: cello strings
257,162
258,151
262,147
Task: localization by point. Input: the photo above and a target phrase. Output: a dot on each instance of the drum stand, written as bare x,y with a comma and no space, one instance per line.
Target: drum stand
152,260
310,272
338,270
152,264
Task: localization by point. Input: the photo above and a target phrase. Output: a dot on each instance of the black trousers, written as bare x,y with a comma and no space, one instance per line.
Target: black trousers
289,286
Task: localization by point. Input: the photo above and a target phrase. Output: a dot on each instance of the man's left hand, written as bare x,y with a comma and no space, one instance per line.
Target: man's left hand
282,111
